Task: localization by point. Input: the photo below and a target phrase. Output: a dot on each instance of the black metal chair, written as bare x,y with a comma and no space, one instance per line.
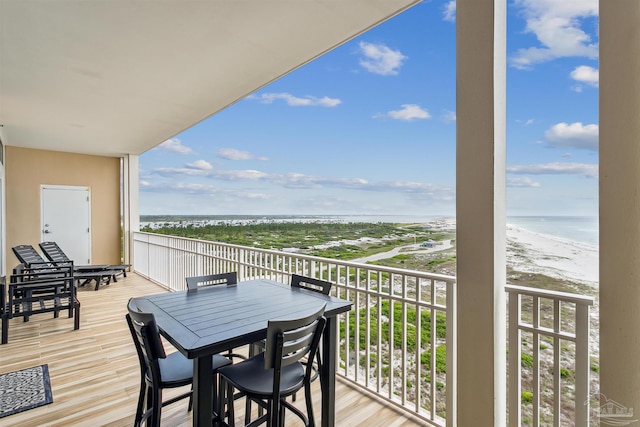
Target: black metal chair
317,285
312,284
302,282
228,279
159,370
277,373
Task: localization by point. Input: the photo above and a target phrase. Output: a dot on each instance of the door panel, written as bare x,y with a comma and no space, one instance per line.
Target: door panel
66,220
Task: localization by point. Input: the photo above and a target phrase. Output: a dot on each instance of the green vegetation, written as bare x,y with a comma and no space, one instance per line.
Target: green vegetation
411,316
441,358
303,235
565,373
526,360
442,262
526,396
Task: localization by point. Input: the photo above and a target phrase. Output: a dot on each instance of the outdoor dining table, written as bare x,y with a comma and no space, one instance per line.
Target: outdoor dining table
218,318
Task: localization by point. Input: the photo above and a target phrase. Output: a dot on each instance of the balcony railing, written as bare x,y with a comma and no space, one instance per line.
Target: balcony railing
555,351
399,340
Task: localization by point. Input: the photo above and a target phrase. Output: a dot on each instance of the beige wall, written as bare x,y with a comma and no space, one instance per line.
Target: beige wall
26,170
619,156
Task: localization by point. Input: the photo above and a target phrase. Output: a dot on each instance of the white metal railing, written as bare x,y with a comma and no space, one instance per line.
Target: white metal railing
402,318
398,341
556,356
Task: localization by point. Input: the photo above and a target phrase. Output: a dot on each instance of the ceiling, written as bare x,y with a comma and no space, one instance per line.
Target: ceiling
119,77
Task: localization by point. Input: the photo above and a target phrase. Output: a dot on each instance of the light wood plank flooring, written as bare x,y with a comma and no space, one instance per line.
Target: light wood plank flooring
95,375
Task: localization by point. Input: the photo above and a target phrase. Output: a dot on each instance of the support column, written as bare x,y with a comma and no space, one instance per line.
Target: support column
480,212
620,203
130,209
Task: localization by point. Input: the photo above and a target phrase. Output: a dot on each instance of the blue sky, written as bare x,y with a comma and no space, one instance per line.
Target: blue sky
369,128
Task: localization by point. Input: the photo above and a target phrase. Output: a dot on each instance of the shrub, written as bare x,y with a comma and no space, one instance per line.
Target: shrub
441,358
526,360
526,396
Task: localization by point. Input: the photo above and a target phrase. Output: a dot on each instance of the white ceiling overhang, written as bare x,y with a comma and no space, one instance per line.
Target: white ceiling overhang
121,76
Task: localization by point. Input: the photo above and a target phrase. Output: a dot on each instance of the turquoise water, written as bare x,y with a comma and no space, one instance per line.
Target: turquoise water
577,228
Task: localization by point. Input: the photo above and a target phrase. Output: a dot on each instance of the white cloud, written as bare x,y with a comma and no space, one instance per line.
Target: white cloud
233,175
585,169
302,181
380,59
202,190
258,196
450,11
425,190
449,116
295,101
408,112
200,164
171,172
248,174
174,145
522,182
575,135
233,154
587,75
525,122
558,27
181,187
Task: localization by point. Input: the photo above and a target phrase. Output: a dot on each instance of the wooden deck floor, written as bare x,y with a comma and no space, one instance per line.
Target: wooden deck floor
95,376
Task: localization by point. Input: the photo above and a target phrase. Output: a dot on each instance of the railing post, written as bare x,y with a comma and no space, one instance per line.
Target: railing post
515,412
452,354
582,365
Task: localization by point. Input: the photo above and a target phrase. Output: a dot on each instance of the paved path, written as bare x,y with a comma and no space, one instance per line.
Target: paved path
408,249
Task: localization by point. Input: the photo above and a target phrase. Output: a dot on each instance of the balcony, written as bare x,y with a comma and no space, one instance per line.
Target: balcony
94,371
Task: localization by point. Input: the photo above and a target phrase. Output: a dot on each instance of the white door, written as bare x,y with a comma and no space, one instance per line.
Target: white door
66,220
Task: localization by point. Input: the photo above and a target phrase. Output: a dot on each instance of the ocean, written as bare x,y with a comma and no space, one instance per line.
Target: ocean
582,229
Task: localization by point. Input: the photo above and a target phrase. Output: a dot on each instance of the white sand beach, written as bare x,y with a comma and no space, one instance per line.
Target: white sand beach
527,252
553,256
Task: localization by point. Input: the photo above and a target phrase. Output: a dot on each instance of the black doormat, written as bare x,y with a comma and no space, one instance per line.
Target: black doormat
24,389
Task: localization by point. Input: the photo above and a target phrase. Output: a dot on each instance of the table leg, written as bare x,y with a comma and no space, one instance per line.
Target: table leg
328,372
202,391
